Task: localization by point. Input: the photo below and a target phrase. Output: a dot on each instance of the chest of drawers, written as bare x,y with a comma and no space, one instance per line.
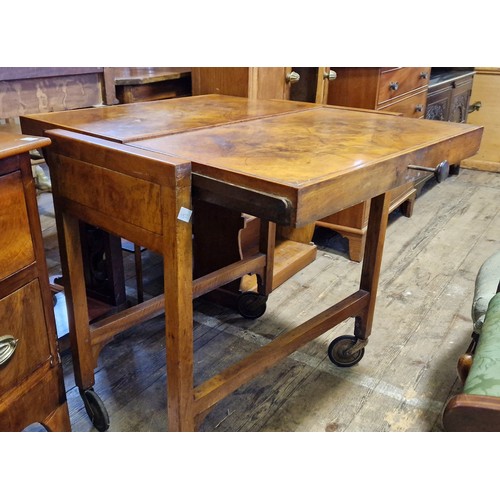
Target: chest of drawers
395,90
31,379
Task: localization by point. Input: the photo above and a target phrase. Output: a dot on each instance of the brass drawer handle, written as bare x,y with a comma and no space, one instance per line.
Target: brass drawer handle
419,108
8,345
394,86
424,75
292,77
330,75
475,107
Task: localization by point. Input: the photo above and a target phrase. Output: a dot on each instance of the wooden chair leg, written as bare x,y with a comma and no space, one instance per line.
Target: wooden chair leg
465,361
463,366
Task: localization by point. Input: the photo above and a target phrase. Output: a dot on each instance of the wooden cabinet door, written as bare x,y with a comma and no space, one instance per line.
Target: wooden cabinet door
269,83
459,101
312,85
438,104
227,81
254,83
324,77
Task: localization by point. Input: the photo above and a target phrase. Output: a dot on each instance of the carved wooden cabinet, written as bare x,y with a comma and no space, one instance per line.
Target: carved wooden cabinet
396,90
294,249
449,94
31,379
448,97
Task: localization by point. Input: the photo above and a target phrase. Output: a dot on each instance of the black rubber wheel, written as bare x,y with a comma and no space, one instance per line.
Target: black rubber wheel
338,348
95,410
251,305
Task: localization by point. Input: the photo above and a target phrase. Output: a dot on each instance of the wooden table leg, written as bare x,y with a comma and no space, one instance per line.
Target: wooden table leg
372,261
84,353
267,243
76,300
346,350
178,282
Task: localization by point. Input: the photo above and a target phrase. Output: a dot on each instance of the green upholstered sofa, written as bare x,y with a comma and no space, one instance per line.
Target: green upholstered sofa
487,282
477,408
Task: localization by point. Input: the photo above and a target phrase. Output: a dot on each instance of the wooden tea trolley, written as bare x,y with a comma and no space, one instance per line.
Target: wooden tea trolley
138,171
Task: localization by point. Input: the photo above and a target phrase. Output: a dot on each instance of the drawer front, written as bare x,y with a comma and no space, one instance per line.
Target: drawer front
16,246
22,317
438,105
399,81
411,107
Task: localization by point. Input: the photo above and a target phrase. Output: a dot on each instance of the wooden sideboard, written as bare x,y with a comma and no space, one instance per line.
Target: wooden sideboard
396,90
485,98
294,248
31,378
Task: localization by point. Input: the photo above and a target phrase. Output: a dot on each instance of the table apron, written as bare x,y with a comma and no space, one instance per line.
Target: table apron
266,206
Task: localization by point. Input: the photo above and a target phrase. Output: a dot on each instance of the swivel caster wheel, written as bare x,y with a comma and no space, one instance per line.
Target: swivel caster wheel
95,409
251,305
342,351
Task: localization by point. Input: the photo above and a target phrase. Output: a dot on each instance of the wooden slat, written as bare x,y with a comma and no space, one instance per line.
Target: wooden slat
227,274
102,331
211,391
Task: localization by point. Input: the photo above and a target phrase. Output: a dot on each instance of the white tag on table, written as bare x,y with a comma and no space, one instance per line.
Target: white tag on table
185,214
